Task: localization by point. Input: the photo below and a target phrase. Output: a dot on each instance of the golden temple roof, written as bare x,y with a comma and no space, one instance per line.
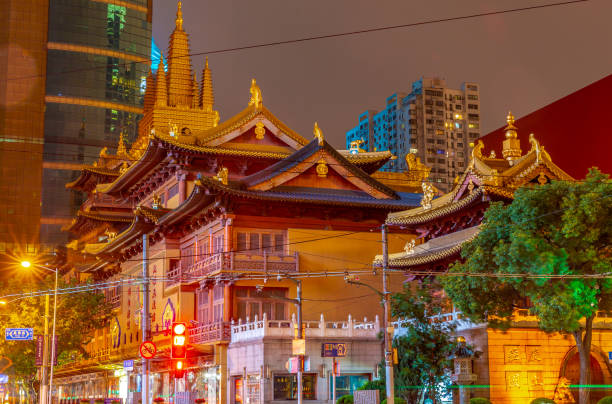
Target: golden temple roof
489,176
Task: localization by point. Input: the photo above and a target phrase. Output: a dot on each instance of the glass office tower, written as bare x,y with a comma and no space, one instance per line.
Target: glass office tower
97,62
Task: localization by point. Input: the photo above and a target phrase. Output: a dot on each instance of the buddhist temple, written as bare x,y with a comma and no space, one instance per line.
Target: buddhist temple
524,362
219,223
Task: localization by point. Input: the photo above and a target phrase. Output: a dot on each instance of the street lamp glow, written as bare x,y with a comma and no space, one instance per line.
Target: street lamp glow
26,264
2,302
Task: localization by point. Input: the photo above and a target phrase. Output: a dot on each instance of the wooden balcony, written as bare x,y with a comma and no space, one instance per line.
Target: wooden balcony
210,333
232,261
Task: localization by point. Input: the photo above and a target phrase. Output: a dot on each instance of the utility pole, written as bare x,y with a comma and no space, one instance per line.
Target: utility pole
387,322
53,353
44,386
146,329
300,335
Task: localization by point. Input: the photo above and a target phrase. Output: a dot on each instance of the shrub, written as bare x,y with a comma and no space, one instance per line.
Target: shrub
542,400
605,400
346,399
398,400
479,400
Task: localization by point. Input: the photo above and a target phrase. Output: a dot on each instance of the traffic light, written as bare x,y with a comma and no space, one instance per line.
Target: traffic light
179,341
179,369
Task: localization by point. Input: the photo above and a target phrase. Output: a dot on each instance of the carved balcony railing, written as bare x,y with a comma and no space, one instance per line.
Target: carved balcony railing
232,261
113,301
210,333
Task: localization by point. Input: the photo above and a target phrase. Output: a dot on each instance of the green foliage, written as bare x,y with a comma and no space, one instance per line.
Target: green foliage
398,400
561,228
542,401
479,400
425,349
346,399
77,313
605,400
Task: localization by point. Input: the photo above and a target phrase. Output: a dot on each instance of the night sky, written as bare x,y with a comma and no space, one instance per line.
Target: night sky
522,61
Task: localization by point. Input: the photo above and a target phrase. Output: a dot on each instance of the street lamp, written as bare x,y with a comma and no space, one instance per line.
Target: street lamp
47,395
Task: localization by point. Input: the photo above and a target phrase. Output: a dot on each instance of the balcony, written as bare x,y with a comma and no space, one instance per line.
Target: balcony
210,333
232,261
258,329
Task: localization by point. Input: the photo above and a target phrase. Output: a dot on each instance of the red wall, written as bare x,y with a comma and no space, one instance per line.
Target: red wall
576,130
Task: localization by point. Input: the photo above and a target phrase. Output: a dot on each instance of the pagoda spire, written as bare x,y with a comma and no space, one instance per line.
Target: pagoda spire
180,92
195,93
161,89
511,149
149,96
207,96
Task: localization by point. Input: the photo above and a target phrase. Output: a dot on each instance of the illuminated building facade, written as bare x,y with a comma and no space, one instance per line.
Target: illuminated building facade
75,80
433,121
235,212
523,363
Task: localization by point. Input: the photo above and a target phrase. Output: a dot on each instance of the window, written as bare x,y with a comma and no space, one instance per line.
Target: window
187,256
203,306
241,242
472,87
473,125
217,303
472,106
429,141
218,244
172,191
440,141
279,243
251,303
459,144
472,97
285,386
347,384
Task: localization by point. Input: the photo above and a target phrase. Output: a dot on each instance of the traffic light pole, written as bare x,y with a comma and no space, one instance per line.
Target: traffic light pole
387,322
146,329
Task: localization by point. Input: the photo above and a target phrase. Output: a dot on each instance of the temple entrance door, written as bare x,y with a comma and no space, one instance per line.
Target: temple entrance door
572,373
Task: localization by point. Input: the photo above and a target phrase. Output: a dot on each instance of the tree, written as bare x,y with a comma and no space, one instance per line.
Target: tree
424,351
560,228
77,315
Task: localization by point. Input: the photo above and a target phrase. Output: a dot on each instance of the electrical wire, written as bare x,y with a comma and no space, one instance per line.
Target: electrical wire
327,36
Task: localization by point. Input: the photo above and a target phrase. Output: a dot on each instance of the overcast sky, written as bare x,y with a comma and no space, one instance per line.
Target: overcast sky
522,61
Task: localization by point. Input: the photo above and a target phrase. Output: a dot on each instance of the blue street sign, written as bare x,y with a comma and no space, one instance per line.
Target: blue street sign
128,364
3,379
610,355
19,334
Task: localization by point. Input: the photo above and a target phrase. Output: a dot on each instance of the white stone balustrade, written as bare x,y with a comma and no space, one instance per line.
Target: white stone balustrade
258,329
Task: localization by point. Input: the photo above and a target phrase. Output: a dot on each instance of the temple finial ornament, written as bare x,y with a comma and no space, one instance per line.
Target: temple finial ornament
511,149
103,152
179,16
260,130
256,98
318,134
322,168
428,194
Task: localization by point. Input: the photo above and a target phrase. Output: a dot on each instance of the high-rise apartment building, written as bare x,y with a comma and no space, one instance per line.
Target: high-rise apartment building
73,79
434,122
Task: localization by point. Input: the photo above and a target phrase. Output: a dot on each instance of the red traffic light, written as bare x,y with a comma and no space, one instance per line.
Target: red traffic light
179,341
179,369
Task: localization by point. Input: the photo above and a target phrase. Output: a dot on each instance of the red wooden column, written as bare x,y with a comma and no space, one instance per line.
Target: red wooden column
227,292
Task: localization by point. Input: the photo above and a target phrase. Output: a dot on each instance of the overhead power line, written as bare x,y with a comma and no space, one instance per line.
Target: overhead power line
330,36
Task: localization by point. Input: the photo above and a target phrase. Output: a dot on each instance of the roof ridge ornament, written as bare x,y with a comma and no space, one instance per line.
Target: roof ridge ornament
256,98
318,134
428,194
222,175
535,146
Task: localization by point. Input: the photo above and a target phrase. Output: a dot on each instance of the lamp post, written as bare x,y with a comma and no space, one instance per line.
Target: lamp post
46,395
